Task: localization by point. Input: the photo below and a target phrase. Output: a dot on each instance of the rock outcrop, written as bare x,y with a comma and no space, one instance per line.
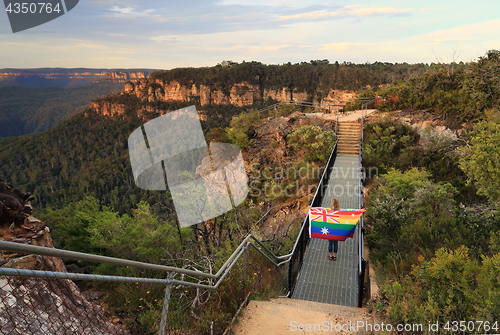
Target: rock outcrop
14,206
269,145
36,305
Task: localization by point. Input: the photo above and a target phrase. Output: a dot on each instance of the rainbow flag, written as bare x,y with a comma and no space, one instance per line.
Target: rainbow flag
333,225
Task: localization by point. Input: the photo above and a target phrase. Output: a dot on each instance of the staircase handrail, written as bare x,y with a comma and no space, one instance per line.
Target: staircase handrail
300,245
53,252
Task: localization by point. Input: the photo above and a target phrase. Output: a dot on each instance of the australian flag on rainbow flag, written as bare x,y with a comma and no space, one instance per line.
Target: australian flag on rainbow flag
328,224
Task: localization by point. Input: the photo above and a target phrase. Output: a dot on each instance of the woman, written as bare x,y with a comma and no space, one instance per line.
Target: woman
331,243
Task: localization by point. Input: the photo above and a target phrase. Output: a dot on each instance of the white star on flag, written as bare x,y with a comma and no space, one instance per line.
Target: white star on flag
324,231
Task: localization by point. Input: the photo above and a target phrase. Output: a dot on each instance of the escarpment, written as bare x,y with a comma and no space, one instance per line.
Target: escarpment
149,94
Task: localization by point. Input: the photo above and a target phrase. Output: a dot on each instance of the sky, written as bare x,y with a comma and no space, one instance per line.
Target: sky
159,34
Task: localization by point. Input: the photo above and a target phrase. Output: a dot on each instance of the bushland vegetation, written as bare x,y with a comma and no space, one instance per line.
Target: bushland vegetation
460,92
314,77
433,212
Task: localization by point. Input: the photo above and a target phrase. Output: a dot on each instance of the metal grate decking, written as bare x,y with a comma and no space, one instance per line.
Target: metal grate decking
323,280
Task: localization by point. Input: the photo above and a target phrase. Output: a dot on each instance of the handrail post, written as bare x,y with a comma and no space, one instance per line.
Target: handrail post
362,121
245,265
166,300
337,123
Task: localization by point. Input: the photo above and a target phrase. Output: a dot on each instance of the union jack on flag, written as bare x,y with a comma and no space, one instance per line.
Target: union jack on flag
324,215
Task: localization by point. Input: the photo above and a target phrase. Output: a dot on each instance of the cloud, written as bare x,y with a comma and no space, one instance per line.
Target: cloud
465,42
123,10
361,12
347,11
442,40
320,14
459,34
344,46
131,12
259,48
165,39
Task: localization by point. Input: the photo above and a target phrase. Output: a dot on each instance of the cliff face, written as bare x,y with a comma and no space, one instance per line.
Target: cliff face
66,78
122,77
240,95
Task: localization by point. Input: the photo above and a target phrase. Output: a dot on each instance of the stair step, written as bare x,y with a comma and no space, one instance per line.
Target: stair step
348,148
348,145
348,134
349,138
354,126
350,131
349,152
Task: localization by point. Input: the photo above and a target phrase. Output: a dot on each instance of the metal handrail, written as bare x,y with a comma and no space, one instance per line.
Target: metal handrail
305,223
31,249
361,251
319,105
361,247
226,268
92,277
363,107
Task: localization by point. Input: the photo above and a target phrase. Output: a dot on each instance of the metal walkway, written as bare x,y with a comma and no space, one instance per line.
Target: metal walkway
324,280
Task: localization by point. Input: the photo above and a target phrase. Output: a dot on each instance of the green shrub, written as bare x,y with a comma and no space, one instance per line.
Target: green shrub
450,286
388,144
313,142
481,159
243,129
283,110
217,135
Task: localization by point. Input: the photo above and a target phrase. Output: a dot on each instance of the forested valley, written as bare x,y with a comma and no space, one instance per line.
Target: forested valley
32,110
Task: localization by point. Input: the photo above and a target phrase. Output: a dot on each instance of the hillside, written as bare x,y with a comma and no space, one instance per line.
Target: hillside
86,154
32,110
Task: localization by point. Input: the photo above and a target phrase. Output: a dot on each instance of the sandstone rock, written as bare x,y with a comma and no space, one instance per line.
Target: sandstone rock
129,87
107,108
40,306
15,205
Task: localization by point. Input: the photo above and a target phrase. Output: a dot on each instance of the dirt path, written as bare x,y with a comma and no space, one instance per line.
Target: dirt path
290,316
